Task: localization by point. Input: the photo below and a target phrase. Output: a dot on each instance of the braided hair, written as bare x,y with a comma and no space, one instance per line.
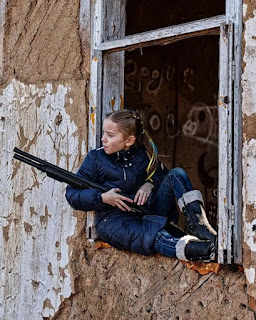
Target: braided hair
129,123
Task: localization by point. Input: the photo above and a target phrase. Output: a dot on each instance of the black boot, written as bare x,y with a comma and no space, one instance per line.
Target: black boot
190,248
191,205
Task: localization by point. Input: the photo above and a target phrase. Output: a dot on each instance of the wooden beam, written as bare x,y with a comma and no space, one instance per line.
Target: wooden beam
230,205
180,31
95,95
237,197
165,41
231,10
95,99
223,146
113,63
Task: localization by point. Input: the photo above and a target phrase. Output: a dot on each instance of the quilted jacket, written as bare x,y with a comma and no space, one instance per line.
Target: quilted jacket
125,170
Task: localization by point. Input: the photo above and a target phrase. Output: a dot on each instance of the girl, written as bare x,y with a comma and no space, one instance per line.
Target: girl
128,162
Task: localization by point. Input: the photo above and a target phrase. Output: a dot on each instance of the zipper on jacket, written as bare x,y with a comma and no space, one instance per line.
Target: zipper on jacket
124,174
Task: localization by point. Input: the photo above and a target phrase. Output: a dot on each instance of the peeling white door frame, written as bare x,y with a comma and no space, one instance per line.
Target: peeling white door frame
230,247
224,144
237,128
95,95
104,70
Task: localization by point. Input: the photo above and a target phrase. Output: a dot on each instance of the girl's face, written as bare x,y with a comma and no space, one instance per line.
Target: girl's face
113,140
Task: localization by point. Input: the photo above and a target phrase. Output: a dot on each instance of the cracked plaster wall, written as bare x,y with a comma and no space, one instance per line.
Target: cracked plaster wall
249,143
41,41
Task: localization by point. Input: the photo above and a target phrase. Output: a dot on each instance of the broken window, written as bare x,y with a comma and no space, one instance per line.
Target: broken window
174,63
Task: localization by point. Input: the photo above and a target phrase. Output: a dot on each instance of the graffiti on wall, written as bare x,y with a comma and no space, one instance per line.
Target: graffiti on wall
135,77
202,123
167,123
158,93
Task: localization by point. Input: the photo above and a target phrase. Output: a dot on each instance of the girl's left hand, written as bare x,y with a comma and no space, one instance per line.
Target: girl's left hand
143,193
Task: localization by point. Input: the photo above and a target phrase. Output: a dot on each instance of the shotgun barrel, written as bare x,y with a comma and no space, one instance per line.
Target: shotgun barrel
68,177
80,183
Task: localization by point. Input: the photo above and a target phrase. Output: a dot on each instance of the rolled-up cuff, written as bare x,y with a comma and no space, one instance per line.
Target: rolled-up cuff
181,246
189,197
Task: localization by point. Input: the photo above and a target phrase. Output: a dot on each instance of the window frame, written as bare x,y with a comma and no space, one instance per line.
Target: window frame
107,66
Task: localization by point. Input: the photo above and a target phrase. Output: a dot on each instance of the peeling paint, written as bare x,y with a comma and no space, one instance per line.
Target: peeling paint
28,227
249,143
244,9
249,92
250,274
35,284
35,215
250,234
248,9
122,102
113,101
249,169
92,119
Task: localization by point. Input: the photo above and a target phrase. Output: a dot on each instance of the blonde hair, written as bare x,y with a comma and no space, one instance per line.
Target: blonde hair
130,124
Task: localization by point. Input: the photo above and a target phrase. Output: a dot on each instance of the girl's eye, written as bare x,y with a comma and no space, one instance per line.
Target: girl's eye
110,134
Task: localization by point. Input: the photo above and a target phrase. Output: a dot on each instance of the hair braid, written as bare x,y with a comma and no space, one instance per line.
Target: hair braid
129,123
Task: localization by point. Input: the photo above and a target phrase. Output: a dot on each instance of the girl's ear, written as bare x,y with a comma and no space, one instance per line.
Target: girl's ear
130,141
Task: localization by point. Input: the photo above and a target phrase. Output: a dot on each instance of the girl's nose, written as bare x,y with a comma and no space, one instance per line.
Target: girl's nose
103,138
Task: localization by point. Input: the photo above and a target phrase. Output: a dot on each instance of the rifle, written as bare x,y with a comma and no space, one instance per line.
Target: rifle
70,178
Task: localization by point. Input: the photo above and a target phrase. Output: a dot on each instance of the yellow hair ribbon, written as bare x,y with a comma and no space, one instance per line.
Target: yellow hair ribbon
153,158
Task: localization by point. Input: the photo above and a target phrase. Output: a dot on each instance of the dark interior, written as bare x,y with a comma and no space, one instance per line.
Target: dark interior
145,15
175,90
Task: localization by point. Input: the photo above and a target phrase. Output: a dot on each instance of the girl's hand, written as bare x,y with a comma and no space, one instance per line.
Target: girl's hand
143,193
115,199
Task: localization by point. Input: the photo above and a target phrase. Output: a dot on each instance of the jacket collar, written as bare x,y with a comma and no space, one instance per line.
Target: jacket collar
125,155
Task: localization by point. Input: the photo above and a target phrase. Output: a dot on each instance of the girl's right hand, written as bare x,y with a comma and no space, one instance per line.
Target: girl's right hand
115,199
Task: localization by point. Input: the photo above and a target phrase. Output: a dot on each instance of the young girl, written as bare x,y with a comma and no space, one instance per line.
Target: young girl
128,163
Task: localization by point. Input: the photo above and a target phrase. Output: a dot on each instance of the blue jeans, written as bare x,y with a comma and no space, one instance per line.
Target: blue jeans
163,203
